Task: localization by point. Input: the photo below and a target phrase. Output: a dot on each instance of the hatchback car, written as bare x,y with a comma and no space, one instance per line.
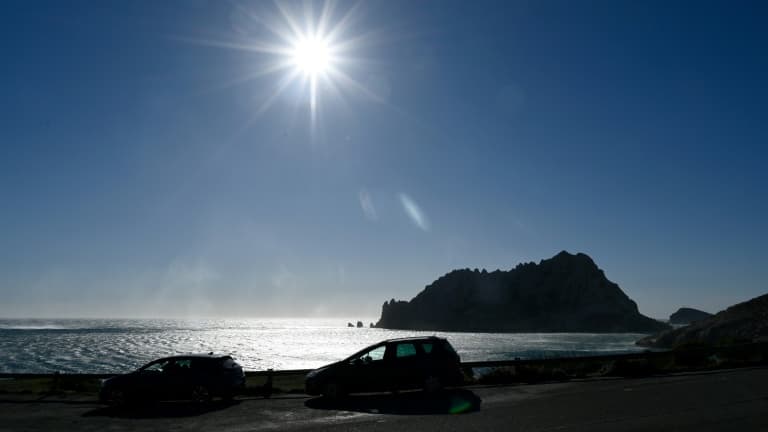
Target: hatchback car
198,377
428,363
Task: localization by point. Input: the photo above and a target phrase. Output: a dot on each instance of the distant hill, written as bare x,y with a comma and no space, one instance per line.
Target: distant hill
744,322
687,316
566,293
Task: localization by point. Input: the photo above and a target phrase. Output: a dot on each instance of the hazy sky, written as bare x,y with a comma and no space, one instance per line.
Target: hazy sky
165,158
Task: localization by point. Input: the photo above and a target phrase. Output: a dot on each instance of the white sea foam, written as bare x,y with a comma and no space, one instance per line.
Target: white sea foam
108,346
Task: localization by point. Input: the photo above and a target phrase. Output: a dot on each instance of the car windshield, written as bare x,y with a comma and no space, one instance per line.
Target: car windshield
156,366
228,363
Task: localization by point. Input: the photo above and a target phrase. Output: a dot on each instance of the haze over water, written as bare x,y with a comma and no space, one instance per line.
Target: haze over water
113,346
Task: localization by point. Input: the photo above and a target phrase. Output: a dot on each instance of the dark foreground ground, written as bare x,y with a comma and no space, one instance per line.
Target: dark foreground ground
734,400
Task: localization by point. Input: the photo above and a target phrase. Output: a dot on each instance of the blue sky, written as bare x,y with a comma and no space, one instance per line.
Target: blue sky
147,170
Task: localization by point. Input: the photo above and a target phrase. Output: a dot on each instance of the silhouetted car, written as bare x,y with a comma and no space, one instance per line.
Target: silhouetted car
428,363
198,377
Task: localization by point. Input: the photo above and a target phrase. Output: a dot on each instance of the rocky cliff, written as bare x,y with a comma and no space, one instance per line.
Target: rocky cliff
566,293
744,322
687,315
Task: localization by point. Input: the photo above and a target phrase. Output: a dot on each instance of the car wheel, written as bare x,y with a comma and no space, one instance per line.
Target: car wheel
333,390
201,394
432,384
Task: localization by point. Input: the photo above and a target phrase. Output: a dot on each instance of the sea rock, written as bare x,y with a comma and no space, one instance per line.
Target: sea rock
349,324
744,322
685,316
566,293
359,324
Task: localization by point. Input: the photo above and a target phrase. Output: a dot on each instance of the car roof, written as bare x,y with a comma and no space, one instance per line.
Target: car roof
397,340
197,355
414,339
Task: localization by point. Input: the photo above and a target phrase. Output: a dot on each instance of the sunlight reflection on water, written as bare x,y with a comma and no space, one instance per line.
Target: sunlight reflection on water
107,346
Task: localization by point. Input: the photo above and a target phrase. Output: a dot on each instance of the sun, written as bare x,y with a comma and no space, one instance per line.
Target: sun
313,51
312,56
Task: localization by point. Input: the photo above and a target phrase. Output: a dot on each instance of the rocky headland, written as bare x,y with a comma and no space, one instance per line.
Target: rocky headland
742,323
685,316
566,293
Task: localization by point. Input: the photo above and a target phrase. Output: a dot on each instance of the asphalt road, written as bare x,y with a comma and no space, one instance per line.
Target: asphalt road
734,400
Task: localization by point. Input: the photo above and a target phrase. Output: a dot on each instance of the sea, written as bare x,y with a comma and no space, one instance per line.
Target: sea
121,345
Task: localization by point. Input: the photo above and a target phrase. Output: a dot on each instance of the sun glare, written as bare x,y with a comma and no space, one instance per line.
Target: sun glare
310,47
312,56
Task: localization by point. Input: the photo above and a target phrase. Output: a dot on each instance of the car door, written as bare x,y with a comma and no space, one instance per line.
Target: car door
406,367
178,378
150,381
367,371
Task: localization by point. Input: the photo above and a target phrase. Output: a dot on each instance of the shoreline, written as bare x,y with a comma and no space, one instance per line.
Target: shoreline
630,365
312,344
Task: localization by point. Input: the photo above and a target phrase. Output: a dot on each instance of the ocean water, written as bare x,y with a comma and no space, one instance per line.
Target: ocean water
122,345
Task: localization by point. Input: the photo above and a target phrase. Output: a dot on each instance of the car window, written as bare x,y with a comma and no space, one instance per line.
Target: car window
447,347
183,364
178,366
374,355
158,366
405,350
427,347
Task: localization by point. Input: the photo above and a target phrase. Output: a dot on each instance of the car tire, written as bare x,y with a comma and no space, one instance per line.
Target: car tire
333,390
201,394
432,384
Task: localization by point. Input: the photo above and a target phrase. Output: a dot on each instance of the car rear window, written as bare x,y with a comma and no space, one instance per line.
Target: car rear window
447,347
202,364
